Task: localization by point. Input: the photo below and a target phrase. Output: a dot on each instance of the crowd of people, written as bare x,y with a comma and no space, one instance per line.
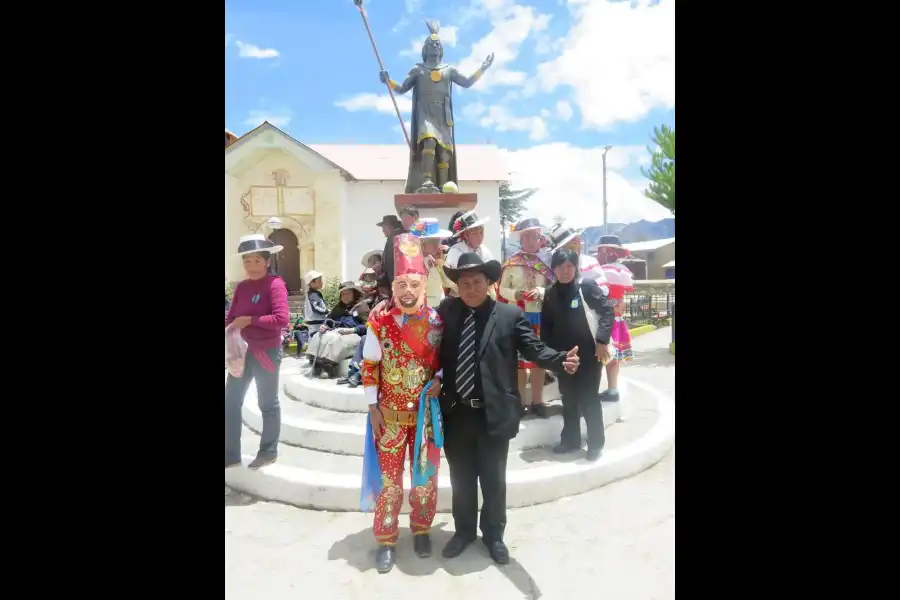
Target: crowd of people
444,340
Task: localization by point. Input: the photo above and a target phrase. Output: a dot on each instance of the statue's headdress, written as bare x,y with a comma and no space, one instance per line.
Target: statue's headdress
433,28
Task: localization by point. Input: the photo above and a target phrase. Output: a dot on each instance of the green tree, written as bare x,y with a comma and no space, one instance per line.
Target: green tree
512,205
662,168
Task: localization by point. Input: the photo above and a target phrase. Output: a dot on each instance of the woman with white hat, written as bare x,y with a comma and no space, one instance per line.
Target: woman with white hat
469,229
259,309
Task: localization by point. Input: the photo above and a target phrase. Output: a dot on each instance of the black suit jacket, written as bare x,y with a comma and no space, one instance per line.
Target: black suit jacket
387,259
505,333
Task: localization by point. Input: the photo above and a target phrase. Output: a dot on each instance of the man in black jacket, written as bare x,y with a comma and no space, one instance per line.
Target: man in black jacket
408,216
480,398
576,312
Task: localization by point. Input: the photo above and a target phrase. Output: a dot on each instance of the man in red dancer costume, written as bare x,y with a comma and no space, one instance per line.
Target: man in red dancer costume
400,358
522,281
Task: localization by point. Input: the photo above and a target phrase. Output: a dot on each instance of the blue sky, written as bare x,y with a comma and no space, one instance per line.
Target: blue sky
569,77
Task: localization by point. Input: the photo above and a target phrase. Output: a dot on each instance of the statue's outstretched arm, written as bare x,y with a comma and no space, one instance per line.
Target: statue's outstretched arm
463,81
402,88
467,82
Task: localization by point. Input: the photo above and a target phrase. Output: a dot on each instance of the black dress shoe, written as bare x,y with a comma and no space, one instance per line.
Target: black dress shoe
564,448
422,545
354,380
455,546
343,381
384,559
498,551
593,454
540,410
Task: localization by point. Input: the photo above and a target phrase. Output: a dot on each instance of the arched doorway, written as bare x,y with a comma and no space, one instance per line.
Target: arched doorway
288,263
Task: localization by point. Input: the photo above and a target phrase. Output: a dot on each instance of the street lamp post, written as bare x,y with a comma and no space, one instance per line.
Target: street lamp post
605,221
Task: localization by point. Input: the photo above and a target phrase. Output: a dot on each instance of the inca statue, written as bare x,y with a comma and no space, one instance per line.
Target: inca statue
432,141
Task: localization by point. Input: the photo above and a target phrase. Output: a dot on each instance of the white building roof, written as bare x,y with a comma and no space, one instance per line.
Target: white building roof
390,162
649,245
669,265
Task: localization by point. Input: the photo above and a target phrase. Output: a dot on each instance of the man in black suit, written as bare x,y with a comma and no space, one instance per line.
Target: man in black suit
390,223
480,398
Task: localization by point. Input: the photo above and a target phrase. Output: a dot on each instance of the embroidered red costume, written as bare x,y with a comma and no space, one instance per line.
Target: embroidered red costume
400,357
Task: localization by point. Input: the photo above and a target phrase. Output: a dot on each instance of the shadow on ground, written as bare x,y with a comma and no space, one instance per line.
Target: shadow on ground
236,498
653,357
358,551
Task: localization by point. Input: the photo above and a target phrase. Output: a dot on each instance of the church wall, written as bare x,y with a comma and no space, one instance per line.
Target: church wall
257,170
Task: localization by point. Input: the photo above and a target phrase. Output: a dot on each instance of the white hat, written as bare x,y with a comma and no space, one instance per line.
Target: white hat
370,254
311,275
256,242
467,221
428,228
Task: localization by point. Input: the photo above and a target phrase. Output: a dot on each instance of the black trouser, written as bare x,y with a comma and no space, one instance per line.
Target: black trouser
579,396
472,455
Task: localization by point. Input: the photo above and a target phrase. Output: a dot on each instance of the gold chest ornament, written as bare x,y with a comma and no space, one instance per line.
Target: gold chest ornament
436,75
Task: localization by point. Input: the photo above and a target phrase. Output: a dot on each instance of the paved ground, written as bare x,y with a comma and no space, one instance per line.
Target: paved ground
616,543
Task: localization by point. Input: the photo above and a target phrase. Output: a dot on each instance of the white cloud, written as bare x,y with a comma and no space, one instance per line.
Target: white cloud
378,102
618,58
499,119
504,77
397,129
511,24
449,38
570,182
473,110
253,51
564,110
278,118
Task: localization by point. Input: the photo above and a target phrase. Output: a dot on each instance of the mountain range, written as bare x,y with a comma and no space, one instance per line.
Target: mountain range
641,231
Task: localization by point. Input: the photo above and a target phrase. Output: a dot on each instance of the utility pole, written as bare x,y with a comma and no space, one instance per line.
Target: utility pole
605,221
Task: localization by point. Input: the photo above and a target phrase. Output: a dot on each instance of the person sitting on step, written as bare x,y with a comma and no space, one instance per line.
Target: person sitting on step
341,332
315,311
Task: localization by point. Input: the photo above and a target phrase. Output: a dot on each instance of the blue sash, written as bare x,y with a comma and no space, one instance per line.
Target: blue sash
371,474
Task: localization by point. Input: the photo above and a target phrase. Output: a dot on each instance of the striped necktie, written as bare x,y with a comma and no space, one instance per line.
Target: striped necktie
465,366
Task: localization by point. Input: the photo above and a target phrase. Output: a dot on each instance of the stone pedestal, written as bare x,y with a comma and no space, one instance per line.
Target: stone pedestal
463,202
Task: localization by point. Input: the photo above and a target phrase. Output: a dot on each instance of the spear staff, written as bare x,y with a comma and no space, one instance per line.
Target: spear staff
362,13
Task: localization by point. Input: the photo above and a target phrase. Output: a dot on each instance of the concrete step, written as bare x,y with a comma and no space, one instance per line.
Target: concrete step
309,426
308,477
324,393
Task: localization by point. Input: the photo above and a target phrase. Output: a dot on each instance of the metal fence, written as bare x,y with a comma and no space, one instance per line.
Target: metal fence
648,306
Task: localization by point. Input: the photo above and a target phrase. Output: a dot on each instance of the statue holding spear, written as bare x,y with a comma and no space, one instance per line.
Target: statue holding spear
432,156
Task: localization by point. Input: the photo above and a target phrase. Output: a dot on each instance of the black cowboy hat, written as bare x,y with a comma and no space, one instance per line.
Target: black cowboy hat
389,220
470,261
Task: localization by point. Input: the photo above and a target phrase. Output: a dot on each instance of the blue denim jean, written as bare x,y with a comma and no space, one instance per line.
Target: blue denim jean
267,397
